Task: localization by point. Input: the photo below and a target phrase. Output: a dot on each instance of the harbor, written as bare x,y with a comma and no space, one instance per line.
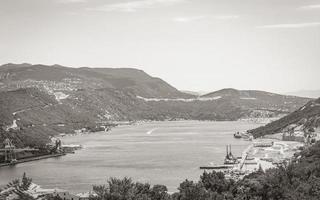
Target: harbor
173,151
262,154
153,152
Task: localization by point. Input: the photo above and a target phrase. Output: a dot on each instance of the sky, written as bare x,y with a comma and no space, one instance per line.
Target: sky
198,45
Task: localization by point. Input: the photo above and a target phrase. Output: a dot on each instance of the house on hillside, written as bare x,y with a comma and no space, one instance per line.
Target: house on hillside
298,137
294,132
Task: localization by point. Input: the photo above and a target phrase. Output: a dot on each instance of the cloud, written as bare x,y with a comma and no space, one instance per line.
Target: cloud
226,17
132,6
195,18
72,1
284,26
310,7
188,19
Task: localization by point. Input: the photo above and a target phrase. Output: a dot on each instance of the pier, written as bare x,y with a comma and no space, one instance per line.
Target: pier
229,162
244,157
10,153
32,159
217,167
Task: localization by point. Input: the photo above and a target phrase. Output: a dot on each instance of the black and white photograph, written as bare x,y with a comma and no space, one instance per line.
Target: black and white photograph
159,99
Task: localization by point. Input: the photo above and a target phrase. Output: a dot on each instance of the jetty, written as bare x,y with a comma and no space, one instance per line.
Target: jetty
217,167
229,161
10,152
32,159
244,157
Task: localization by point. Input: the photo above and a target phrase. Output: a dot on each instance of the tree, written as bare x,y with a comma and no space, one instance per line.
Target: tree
190,191
25,182
159,192
18,188
215,181
121,189
142,191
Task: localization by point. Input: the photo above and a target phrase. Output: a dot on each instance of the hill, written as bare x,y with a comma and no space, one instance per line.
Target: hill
29,117
131,94
57,77
261,103
306,93
305,119
40,101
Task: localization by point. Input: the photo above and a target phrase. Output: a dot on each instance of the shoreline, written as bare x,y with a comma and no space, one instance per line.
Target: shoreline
24,160
174,122
268,156
142,122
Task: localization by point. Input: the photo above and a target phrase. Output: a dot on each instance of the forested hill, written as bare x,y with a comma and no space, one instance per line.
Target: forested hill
38,101
261,100
13,76
307,117
28,116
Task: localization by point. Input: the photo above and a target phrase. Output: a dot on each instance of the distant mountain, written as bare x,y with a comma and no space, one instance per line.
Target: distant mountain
306,117
14,76
259,100
191,92
196,93
306,93
37,101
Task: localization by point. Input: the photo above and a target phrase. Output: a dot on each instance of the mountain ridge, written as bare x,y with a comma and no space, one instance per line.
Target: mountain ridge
128,78
306,93
88,98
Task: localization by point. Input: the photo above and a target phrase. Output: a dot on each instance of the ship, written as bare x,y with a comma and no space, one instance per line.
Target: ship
229,161
237,135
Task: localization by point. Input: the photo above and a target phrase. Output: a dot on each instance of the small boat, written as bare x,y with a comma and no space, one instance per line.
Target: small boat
237,135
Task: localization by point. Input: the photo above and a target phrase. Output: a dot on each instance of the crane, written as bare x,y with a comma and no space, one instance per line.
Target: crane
10,151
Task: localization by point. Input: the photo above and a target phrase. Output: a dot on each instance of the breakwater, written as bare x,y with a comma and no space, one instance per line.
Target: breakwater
32,159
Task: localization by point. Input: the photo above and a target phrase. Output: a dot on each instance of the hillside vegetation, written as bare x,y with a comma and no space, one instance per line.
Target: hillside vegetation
38,101
56,77
29,116
260,100
308,116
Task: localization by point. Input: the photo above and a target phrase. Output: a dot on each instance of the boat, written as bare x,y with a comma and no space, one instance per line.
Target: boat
237,135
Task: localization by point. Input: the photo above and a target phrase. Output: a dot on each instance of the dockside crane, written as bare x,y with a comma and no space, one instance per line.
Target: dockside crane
10,151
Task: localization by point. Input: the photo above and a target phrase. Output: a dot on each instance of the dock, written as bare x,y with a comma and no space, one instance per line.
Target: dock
244,156
32,159
217,167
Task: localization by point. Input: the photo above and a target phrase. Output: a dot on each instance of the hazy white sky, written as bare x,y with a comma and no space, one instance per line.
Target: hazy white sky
196,45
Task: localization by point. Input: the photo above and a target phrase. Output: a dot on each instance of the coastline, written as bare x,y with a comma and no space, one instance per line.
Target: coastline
23,160
267,157
210,150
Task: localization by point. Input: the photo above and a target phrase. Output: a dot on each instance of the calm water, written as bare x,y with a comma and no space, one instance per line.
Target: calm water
158,153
